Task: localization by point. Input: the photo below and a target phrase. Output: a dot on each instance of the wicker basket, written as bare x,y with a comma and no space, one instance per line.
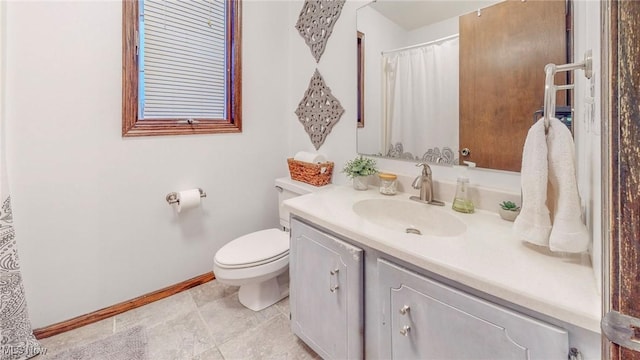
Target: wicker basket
314,174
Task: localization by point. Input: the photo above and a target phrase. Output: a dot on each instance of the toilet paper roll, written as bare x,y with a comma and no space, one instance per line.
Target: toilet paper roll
188,199
309,157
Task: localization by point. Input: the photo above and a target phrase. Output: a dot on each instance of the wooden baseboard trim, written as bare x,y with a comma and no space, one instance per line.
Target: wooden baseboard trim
116,309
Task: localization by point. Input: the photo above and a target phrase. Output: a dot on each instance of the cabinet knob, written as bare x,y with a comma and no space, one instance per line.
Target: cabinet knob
405,330
465,152
404,310
334,271
334,288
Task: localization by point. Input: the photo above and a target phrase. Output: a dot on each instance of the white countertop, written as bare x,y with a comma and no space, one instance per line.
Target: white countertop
487,257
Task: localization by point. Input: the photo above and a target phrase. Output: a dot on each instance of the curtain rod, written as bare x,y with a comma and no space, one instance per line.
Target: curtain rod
420,45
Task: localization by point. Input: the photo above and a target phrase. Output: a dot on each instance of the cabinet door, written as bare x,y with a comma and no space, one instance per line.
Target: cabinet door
424,319
326,293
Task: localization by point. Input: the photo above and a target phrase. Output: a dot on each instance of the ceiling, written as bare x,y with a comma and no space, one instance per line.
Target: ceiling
414,14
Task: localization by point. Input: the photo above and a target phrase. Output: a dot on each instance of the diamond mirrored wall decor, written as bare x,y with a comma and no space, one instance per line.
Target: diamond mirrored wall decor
316,22
319,110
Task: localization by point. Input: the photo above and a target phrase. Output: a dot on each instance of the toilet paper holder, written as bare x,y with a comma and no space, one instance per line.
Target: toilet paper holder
172,198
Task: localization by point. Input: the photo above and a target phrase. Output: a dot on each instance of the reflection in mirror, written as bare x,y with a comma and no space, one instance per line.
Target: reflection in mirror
420,82
425,101
360,100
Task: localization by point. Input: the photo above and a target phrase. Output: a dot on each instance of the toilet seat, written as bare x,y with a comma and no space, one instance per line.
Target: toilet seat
258,248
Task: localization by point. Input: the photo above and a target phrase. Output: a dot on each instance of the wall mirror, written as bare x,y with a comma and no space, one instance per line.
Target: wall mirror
453,81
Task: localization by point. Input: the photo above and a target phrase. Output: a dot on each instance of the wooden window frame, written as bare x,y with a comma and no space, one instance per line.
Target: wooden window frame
360,56
133,126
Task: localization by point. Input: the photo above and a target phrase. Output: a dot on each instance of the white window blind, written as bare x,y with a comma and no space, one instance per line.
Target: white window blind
182,59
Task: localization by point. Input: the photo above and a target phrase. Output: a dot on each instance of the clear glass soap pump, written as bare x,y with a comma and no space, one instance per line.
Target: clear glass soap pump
462,201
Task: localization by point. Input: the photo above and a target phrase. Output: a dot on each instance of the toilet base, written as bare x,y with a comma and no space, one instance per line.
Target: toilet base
258,296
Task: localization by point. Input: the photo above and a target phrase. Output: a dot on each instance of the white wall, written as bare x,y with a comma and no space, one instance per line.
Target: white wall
3,35
587,125
433,32
93,226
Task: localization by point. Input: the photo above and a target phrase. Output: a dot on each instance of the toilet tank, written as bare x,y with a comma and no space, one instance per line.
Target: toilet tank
288,189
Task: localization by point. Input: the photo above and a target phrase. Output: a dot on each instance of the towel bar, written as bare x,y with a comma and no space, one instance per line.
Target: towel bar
550,88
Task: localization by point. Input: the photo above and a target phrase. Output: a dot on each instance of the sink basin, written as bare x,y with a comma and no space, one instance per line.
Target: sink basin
409,217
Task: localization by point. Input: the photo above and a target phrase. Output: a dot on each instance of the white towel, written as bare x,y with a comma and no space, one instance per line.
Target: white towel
534,224
568,234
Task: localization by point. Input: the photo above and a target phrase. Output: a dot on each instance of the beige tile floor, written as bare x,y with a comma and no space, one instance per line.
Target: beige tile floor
204,323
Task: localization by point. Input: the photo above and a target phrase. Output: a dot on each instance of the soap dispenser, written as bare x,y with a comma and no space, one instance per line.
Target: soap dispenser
462,201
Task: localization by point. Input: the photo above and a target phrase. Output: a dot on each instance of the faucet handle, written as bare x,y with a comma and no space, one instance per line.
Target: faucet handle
426,169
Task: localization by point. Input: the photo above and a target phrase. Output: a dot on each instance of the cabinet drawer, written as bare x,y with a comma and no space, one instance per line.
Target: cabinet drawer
425,319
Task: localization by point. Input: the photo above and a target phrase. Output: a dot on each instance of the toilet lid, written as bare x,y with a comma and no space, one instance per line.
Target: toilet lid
255,248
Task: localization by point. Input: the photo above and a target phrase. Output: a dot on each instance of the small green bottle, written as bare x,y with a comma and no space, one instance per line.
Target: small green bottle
462,202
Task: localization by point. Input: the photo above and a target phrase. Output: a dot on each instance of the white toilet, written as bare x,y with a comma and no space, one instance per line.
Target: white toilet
259,262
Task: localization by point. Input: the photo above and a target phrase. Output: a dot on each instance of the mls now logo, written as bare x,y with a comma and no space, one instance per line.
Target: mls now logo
15,352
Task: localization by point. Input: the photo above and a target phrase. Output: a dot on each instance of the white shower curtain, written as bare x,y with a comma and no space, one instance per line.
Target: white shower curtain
420,90
16,337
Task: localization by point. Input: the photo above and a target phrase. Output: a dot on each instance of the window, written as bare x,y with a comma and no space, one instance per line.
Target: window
181,67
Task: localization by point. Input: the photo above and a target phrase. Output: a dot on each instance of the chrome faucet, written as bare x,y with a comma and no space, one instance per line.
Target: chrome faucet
424,182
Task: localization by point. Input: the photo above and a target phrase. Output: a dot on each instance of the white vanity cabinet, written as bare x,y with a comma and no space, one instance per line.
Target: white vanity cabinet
425,319
326,292
479,295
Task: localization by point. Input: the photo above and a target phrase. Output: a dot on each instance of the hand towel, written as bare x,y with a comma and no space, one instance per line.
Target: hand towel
568,234
534,224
